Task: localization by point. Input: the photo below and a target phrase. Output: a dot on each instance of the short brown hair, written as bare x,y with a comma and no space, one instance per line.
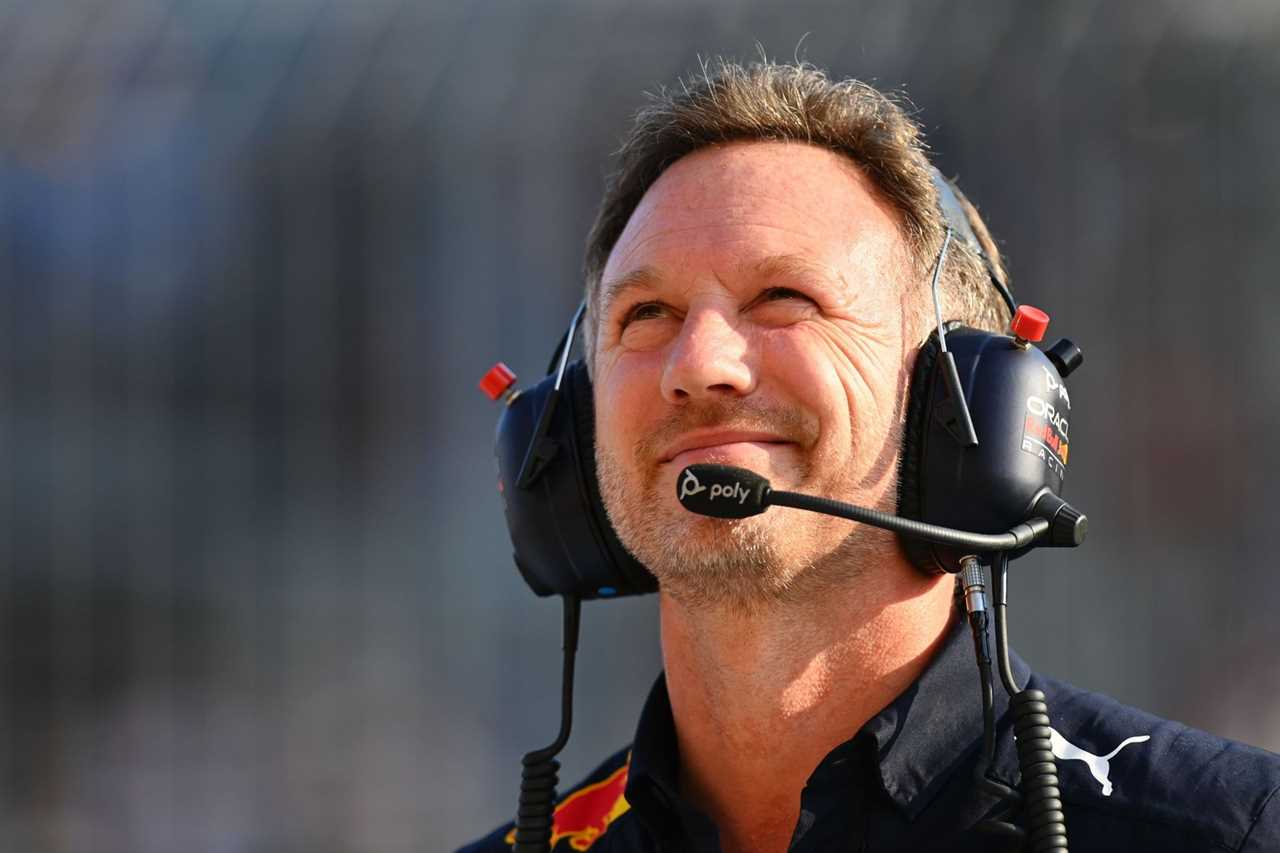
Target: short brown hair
797,103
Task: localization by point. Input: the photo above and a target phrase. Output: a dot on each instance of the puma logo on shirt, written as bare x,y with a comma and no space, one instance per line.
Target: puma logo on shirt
1099,765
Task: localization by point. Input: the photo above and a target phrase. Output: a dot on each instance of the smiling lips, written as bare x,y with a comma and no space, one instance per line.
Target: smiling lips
696,446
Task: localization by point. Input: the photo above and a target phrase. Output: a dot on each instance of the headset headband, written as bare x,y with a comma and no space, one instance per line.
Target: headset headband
954,215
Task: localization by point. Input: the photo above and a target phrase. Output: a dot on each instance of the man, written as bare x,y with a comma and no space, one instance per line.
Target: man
758,287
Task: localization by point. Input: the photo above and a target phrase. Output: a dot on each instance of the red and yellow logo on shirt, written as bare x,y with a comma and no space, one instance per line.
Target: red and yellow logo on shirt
586,814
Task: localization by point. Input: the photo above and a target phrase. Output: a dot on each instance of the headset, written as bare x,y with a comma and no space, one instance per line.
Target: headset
985,448
966,383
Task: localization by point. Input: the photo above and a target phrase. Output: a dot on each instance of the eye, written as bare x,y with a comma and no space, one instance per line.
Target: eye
773,294
647,326
643,311
781,306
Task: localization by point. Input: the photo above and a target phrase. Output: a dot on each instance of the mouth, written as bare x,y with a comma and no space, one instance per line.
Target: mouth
740,448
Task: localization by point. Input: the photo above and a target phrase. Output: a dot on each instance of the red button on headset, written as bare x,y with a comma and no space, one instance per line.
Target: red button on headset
1029,324
497,381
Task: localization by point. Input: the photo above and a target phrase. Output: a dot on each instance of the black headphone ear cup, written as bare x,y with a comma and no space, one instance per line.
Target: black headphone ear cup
911,464
632,576
563,542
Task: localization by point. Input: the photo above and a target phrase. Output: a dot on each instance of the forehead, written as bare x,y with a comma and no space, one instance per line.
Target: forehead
728,208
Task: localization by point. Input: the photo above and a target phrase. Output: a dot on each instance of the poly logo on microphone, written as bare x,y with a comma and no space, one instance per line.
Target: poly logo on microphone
722,491
737,491
690,486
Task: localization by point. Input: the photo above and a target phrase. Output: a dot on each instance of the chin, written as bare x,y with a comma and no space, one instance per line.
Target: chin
694,557
710,557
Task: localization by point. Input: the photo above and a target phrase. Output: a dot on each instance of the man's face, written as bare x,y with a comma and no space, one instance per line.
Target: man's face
752,314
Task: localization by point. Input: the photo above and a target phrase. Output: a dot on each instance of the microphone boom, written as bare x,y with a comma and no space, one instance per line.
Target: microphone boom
723,491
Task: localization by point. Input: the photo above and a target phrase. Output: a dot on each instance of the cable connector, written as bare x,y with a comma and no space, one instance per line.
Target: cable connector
974,585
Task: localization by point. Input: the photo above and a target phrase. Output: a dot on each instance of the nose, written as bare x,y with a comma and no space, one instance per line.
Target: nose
710,357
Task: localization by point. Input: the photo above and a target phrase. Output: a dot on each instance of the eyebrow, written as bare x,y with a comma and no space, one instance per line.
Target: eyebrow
796,265
641,278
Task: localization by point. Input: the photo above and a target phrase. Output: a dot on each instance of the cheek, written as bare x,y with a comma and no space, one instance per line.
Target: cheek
625,392
851,381
801,368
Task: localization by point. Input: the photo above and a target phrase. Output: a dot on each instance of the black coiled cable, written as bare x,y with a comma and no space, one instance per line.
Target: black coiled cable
540,772
1042,815
539,776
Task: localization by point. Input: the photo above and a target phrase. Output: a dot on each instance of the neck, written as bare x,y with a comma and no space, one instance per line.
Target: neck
761,696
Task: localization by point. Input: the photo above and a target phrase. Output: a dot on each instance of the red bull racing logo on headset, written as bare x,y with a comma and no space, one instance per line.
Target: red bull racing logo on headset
585,815
1045,427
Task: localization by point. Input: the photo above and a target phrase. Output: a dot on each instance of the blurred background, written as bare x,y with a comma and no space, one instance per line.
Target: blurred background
255,585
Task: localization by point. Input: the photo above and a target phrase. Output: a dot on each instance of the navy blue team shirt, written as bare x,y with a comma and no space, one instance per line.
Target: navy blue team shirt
1131,782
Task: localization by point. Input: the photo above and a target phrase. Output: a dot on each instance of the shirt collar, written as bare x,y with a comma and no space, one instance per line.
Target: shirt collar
653,780
926,733
920,738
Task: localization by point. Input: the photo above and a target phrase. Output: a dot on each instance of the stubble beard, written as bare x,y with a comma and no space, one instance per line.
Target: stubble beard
740,564
699,561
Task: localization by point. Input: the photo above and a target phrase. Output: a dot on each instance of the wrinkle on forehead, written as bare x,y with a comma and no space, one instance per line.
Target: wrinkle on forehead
815,201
